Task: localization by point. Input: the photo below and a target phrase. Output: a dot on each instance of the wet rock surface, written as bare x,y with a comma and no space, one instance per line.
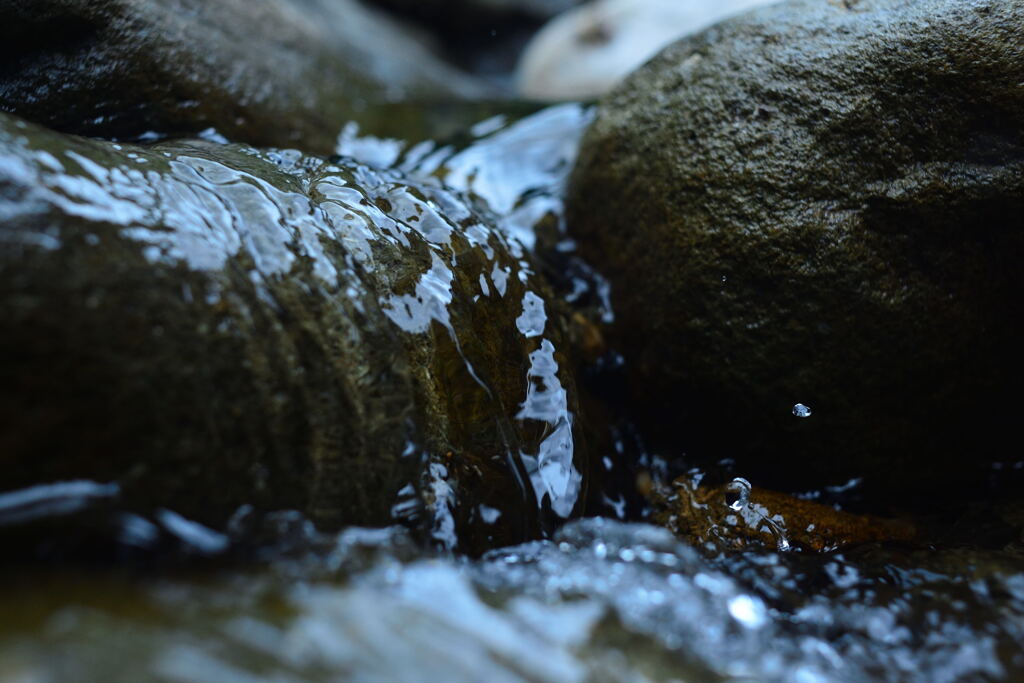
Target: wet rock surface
821,203
202,325
264,72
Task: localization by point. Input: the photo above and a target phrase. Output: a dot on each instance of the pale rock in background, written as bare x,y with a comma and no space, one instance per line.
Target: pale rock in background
584,52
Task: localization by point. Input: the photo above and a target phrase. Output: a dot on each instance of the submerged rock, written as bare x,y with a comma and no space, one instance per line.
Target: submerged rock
822,204
266,72
206,326
585,52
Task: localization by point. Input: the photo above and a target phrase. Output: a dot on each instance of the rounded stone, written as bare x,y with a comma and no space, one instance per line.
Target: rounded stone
824,201
285,73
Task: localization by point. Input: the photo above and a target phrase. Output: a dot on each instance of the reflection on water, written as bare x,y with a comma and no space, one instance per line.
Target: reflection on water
52,500
517,168
551,468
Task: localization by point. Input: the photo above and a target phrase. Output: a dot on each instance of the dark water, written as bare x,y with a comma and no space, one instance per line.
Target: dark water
601,600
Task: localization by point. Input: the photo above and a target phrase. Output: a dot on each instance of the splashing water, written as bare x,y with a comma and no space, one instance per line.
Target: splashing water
737,493
737,498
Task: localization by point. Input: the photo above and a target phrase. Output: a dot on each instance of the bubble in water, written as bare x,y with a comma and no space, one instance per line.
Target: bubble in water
800,410
737,493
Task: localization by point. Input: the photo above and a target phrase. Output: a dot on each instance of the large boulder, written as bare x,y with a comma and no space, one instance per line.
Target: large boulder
822,203
198,326
266,72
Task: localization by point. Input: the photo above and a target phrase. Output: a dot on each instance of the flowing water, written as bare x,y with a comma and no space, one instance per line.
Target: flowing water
601,601
269,598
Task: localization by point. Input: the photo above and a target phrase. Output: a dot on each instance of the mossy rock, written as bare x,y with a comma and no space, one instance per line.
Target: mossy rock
822,202
213,325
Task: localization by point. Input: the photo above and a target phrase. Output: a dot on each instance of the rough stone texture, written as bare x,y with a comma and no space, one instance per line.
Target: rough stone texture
266,72
822,202
211,325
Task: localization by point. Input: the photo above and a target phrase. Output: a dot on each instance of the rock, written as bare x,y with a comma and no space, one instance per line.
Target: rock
266,72
205,326
821,203
586,51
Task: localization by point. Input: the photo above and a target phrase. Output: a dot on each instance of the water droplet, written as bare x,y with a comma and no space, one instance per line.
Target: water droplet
737,493
800,410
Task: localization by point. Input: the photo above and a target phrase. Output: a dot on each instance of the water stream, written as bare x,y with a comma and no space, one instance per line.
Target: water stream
270,598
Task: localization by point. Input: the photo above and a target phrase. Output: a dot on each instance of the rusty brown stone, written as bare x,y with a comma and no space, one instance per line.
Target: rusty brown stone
700,514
